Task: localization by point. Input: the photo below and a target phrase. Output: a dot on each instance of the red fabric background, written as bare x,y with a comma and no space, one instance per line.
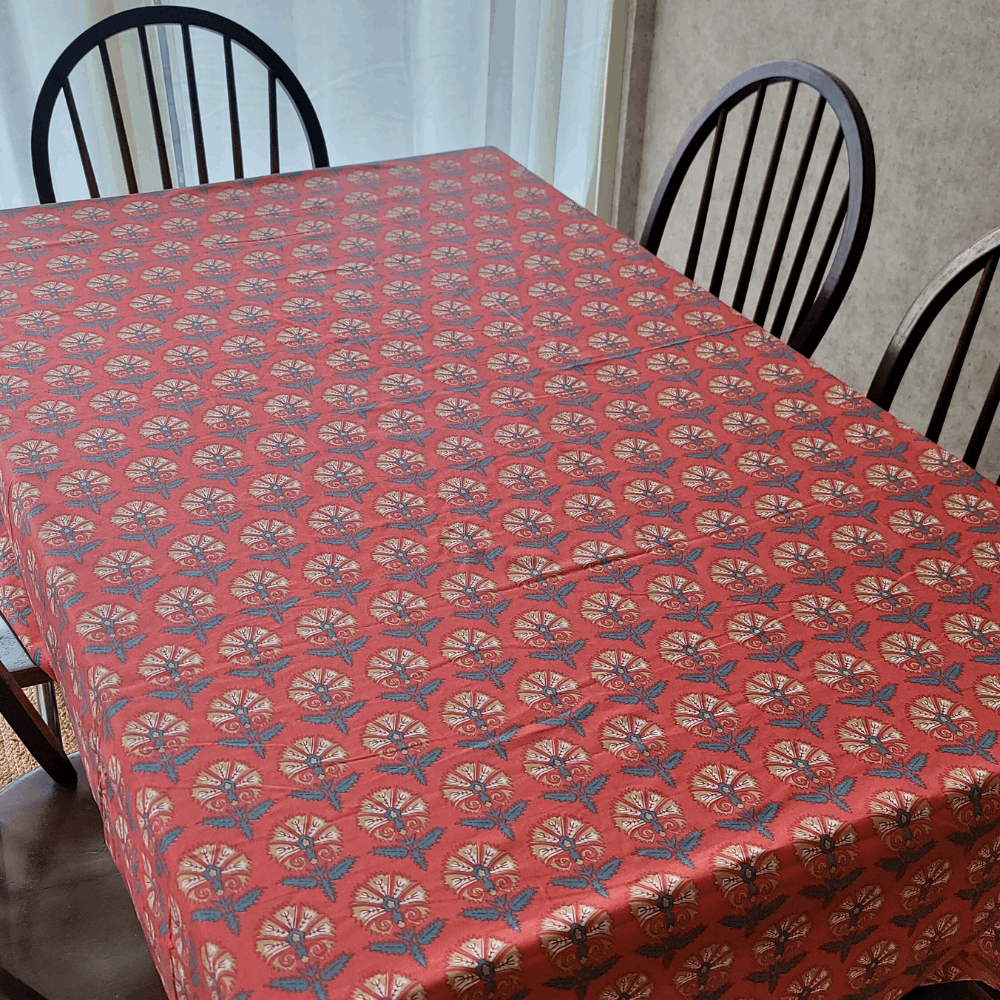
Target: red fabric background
452,600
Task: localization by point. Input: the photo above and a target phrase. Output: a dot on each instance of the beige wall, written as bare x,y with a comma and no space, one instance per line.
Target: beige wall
926,74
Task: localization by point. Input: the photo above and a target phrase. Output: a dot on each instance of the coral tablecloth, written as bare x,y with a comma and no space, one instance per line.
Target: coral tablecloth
453,600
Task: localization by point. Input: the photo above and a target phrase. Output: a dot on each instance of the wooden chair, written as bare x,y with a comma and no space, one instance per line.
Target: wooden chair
186,17
979,259
40,736
851,220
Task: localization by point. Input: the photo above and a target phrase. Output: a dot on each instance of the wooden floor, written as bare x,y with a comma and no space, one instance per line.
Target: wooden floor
67,927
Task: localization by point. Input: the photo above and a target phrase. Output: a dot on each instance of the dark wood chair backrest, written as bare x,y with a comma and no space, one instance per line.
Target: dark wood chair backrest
186,17
979,259
852,218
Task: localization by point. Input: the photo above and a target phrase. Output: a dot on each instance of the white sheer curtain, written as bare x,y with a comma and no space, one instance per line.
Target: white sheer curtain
388,78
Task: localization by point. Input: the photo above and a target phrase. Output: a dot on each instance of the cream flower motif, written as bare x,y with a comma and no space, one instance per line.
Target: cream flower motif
777,693
722,524
675,592
739,575
565,842
661,540
746,874
724,789
972,632
780,508
577,935
538,628
987,555
704,971
688,649
618,670
800,764
394,734
755,631
988,692
662,903
872,740
911,652
929,942
250,644
294,936
155,732
227,784
212,870
631,737
171,664
304,842
390,902
634,986
239,709
645,814
470,711
473,787
926,884
705,715
856,911
483,968
943,718
915,524
824,845
745,423
900,817
789,931
312,759
553,762
546,691
845,673
874,965
395,667
390,813
107,621
389,986
813,983
479,872
944,575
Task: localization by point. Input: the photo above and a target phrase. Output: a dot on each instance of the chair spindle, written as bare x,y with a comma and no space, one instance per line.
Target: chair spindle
984,422
812,220
957,363
718,272
778,251
116,110
698,232
753,242
81,142
154,110
272,118
199,135
819,272
234,115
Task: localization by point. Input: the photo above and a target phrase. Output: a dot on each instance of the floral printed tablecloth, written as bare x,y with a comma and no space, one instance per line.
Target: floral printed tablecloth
454,601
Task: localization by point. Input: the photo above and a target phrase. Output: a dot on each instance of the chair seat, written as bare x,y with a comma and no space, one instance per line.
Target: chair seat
70,930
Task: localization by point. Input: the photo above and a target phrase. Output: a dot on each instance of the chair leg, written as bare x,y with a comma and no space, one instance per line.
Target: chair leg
40,741
49,709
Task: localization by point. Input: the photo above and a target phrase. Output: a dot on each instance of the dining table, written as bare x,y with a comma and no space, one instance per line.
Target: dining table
452,600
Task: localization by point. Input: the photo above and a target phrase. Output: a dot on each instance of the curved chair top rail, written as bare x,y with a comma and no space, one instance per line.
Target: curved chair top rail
186,17
820,304
982,258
